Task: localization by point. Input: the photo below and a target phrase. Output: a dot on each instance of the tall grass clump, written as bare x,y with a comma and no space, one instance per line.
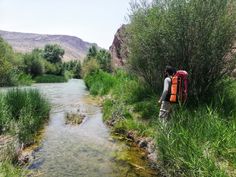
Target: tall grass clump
9,170
27,110
200,140
4,115
197,143
100,82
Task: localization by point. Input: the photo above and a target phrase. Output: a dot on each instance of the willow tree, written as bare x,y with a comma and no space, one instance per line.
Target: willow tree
195,35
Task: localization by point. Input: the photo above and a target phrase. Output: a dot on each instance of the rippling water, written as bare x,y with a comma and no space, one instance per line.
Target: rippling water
86,150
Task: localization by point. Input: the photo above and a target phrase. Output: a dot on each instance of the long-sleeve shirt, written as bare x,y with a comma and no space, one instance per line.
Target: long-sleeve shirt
167,85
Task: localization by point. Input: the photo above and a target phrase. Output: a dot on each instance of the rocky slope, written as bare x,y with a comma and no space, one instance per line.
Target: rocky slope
118,49
234,53
75,48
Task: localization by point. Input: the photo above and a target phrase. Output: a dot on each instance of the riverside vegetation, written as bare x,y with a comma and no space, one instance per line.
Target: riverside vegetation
40,65
199,138
22,114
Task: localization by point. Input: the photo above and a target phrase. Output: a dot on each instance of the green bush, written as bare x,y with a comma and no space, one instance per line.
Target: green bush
74,67
24,79
194,35
89,67
50,68
34,64
102,57
68,74
7,58
99,83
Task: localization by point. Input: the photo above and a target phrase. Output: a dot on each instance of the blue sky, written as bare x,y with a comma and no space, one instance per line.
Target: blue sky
92,20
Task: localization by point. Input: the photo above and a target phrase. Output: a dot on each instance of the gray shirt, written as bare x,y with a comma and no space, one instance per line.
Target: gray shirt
167,85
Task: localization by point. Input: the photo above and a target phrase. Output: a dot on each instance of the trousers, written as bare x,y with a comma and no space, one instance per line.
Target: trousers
164,110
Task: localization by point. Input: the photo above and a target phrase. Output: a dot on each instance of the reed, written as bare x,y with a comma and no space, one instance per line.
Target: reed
23,112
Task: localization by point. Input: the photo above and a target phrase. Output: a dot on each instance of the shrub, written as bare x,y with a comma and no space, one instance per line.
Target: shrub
68,74
89,67
192,35
103,58
34,64
6,60
50,68
100,83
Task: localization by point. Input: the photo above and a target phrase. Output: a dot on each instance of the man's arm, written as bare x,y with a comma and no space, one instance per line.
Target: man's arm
167,83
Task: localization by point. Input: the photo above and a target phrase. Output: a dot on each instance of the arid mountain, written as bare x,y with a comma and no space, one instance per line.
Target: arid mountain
118,49
75,48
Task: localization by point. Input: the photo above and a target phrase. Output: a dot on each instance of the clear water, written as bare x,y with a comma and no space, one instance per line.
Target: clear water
88,149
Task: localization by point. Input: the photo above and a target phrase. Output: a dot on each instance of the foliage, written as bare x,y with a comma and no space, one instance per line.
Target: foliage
197,143
99,83
92,52
102,57
89,67
53,53
9,170
193,35
23,113
6,56
34,64
51,68
48,78
74,67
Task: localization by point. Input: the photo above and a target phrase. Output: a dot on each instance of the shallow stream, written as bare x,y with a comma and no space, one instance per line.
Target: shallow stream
88,149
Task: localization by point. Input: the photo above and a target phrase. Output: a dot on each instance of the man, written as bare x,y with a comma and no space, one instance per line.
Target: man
165,97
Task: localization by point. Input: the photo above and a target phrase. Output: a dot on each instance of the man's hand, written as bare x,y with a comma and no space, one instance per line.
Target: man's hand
159,101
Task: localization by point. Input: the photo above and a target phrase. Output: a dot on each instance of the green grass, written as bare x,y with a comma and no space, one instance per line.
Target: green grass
197,143
48,78
99,83
198,140
23,113
7,169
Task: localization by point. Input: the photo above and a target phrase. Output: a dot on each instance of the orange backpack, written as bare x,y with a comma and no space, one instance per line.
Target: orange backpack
179,87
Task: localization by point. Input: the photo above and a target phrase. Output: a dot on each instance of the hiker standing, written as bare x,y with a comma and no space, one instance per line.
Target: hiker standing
165,97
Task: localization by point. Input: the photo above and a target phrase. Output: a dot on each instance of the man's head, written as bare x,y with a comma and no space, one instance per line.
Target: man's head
169,71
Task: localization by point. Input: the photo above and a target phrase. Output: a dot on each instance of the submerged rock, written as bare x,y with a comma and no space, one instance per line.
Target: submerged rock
74,118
